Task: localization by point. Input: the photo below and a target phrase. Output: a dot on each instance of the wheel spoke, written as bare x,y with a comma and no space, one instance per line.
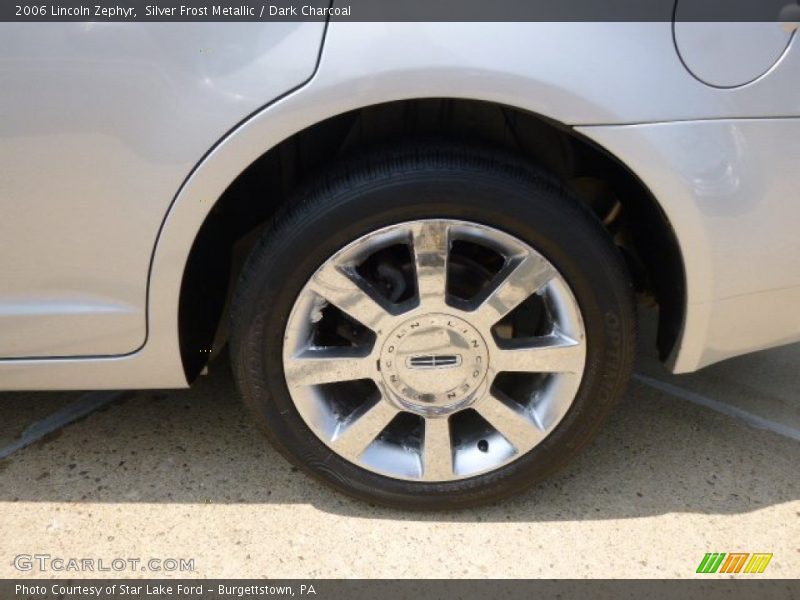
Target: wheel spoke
340,289
431,248
514,424
547,354
317,367
517,283
437,450
361,430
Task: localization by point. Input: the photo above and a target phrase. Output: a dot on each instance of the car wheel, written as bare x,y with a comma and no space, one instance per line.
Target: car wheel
432,326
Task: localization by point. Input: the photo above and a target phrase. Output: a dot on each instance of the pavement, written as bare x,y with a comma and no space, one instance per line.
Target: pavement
687,465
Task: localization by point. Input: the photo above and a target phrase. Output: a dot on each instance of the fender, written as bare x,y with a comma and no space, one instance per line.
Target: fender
344,83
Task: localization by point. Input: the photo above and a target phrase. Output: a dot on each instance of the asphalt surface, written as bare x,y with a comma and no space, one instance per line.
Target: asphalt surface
184,474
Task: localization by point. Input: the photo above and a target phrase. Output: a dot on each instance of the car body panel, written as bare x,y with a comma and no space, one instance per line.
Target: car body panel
604,76
729,55
101,123
732,194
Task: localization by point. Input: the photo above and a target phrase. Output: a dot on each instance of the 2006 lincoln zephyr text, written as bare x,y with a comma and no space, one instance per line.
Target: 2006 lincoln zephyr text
421,243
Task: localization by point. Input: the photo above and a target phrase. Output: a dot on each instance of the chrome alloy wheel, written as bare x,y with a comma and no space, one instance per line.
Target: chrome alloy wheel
434,350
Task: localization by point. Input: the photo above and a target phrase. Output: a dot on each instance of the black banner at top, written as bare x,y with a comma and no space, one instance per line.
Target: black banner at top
787,11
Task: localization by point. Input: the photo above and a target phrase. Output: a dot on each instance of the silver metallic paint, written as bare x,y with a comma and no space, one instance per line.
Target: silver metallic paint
728,55
731,189
597,76
100,123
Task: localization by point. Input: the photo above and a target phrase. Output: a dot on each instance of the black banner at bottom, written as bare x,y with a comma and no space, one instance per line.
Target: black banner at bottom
354,589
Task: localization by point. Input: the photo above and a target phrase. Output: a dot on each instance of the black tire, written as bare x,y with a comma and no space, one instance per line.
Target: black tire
431,181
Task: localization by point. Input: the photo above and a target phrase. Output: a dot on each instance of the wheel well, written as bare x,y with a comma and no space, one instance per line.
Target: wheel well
628,210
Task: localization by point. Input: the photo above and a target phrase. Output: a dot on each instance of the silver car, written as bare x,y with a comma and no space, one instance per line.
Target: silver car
422,244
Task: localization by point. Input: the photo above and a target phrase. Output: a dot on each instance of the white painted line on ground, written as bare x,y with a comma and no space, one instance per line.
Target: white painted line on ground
83,406
720,407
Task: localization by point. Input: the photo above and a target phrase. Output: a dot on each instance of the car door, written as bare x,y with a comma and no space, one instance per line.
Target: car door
100,123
